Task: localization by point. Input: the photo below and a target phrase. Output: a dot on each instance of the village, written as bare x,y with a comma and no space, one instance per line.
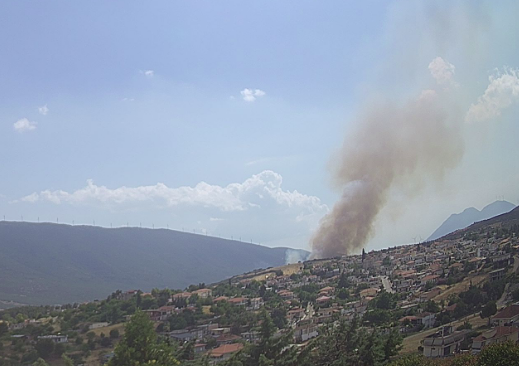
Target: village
454,295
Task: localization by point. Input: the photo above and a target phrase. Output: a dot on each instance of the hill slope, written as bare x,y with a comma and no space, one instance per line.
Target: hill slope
50,263
469,216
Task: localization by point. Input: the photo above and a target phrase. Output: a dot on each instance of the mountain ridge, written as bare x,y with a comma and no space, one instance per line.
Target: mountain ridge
469,216
44,263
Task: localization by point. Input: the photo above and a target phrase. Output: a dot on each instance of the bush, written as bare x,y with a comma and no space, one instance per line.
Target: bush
114,333
502,354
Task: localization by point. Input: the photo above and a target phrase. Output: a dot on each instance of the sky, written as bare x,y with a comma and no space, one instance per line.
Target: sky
225,118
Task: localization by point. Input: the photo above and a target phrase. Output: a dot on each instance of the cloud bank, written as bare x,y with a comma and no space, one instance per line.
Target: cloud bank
502,92
259,191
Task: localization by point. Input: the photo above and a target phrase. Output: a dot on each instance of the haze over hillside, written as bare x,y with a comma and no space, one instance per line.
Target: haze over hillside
469,216
50,263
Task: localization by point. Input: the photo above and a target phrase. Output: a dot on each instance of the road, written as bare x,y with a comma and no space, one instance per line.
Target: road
412,342
387,285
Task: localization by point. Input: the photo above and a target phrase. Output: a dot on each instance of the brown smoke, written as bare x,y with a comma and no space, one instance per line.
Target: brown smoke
392,147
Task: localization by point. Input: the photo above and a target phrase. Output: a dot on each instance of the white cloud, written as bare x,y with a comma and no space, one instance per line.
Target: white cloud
250,95
43,110
502,91
33,197
149,73
23,125
260,191
442,71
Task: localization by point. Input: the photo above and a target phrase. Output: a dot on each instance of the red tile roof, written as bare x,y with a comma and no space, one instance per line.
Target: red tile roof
498,333
226,349
508,312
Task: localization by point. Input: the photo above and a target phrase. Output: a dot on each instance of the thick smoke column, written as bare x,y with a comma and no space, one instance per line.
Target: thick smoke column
392,147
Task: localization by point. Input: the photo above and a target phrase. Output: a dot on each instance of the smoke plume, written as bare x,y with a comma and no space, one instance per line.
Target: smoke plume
393,147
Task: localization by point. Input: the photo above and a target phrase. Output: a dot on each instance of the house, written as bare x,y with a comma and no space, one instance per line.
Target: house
181,296
409,323
199,348
443,343
323,300
496,275
185,335
429,278
97,325
238,301
161,313
369,292
427,319
17,326
227,338
502,261
508,315
203,293
495,335
224,352
220,298
426,296
20,337
327,313
305,330
216,332
286,295
256,303
252,337
326,291
55,338
295,314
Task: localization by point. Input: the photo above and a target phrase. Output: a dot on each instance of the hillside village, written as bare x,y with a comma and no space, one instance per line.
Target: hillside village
450,296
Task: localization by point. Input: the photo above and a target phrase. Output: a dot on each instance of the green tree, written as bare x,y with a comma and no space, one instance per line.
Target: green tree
67,361
392,344
412,360
91,336
114,333
499,354
188,351
139,345
4,328
371,352
464,360
271,350
488,310
432,307
59,349
45,347
343,281
105,342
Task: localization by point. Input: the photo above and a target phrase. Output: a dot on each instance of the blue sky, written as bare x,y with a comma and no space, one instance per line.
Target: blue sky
252,98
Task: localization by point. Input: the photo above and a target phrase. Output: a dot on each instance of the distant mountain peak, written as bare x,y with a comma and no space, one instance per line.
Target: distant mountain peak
469,216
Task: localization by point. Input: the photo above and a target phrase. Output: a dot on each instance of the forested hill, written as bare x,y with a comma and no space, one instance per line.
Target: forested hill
49,263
